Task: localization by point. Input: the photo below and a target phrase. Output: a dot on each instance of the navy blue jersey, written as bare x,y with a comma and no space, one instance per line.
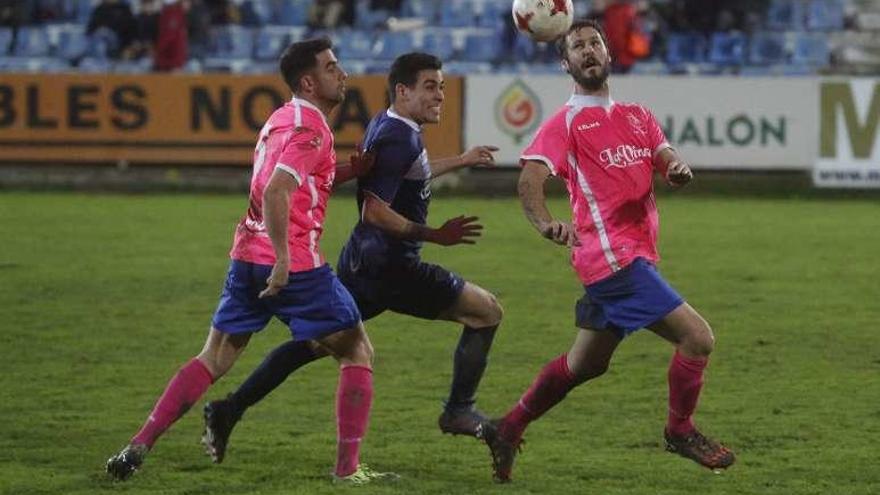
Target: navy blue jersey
401,176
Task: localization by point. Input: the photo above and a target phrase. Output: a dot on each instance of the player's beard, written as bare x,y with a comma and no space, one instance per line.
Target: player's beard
591,83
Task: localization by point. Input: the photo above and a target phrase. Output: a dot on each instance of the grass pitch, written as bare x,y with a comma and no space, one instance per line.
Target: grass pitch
103,297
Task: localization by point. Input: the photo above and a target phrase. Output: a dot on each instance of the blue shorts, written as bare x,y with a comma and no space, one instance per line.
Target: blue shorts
313,304
409,287
632,298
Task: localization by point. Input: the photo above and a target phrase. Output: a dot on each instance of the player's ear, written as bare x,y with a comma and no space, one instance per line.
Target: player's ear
400,90
565,67
307,83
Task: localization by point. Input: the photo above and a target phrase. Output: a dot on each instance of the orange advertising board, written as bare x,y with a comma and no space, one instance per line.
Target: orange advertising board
179,119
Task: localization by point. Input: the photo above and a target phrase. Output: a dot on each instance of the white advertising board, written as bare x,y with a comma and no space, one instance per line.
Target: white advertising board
718,123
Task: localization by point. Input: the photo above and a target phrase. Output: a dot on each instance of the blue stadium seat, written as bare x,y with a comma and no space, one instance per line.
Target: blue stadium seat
439,43
232,42
32,41
524,49
270,42
354,44
33,64
251,14
489,14
367,18
685,48
479,47
425,9
825,15
139,66
94,65
811,49
457,13
467,68
5,40
394,43
72,43
82,11
785,15
768,48
727,48
291,13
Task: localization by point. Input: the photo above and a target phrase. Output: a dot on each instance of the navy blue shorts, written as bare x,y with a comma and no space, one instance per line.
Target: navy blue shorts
313,304
632,298
409,287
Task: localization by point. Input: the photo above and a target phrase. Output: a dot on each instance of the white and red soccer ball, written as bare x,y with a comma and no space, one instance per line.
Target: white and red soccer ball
543,20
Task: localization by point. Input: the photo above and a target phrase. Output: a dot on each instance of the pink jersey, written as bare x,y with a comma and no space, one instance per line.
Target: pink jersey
605,152
297,140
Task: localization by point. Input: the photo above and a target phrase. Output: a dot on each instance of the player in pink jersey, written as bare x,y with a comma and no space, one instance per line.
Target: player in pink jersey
607,153
278,270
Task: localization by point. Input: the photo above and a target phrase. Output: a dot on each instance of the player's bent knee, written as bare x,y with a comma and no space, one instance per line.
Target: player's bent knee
585,373
491,313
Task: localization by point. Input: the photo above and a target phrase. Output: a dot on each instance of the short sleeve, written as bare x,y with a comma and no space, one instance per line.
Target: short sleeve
393,159
656,136
550,146
301,154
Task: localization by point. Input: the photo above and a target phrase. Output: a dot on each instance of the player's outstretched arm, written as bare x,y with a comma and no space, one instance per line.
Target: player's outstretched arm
478,155
675,171
534,203
458,230
276,216
360,163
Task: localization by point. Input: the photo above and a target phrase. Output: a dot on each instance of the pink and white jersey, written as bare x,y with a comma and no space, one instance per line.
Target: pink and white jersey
605,152
297,140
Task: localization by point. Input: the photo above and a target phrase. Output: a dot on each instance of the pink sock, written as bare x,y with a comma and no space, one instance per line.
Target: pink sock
548,389
353,400
184,390
685,382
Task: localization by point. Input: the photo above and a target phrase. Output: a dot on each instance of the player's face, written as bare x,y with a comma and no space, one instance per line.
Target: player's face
587,58
329,78
423,101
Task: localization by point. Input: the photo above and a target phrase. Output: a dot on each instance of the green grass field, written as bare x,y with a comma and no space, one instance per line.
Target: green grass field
103,297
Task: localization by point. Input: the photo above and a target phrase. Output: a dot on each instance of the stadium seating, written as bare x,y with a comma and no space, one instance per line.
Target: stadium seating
768,48
794,37
727,49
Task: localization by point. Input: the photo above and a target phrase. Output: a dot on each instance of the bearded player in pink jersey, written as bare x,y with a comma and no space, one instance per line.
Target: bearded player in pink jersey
278,270
607,153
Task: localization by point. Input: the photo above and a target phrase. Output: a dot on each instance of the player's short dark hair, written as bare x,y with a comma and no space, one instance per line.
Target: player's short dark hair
299,58
405,69
562,42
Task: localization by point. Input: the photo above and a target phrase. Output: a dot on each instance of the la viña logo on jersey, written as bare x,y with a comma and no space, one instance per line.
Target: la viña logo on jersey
624,156
517,110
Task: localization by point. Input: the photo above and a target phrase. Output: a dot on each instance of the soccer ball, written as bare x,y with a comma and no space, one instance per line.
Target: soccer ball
543,20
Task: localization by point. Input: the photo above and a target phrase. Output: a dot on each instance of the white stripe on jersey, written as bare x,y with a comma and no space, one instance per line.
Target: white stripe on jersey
591,199
313,233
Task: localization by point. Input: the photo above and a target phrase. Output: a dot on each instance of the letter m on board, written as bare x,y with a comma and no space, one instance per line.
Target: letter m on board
837,98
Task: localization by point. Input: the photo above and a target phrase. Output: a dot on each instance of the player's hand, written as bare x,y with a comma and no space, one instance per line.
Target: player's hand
458,230
678,173
361,162
561,233
479,155
277,279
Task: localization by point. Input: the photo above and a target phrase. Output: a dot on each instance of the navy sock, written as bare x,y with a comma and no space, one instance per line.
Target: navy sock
471,358
275,368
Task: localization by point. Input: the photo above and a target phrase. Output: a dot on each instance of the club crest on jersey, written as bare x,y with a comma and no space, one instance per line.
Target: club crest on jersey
637,125
624,156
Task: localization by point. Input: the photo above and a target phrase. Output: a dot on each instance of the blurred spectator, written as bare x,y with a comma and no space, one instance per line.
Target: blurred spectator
329,14
199,28
113,20
626,40
147,21
223,12
389,5
48,10
172,44
13,13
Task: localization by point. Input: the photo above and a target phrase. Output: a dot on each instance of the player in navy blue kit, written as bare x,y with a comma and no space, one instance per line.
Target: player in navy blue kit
380,264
